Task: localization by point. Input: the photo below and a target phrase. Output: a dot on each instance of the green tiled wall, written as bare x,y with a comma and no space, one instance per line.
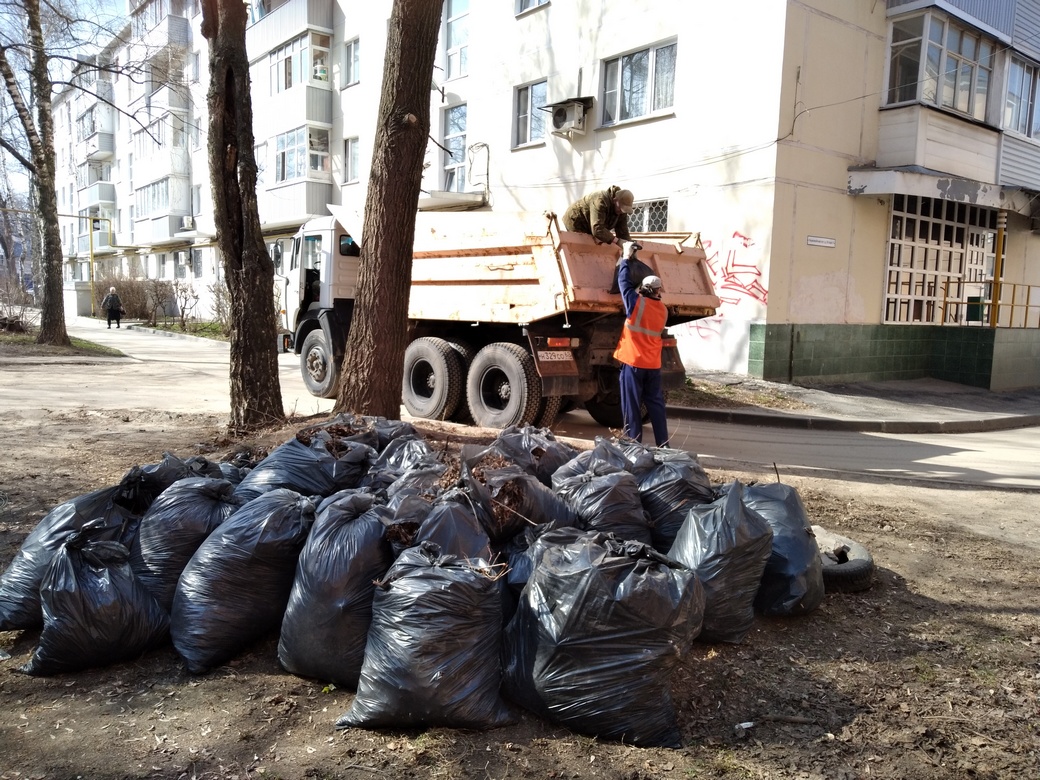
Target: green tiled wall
981,357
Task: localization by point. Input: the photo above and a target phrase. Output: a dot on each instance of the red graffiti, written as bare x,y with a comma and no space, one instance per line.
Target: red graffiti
736,280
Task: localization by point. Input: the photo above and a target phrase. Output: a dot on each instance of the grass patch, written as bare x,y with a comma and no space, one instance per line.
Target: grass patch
206,330
24,345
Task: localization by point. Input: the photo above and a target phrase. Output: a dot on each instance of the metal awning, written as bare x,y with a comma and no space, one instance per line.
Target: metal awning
914,180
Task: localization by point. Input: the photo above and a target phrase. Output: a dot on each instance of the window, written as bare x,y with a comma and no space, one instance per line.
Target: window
934,60
350,160
320,57
650,216
289,154
351,62
260,156
300,152
196,126
639,83
527,5
196,200
1020,108
530,119
196,263
940,261
455,146
153,198
196,66
457,37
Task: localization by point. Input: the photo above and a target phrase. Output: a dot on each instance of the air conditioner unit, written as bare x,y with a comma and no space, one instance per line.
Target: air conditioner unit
569,119
187,223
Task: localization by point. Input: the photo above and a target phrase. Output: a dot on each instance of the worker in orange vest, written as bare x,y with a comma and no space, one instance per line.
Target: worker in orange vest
639,352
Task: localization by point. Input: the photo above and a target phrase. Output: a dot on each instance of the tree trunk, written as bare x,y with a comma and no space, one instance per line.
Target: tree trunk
378,333
41,144
256,397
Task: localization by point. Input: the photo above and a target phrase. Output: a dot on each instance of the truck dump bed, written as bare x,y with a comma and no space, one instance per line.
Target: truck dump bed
519,271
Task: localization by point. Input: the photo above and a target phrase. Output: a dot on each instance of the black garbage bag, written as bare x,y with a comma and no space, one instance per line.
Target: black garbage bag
452,525
20,582
235,588
669,485
174,527
376,432
95,613
401,455
727,544
424,481
325,627
535,450
508,499
607,502
792,583
597,635
434,647
315,464
604,456
522,549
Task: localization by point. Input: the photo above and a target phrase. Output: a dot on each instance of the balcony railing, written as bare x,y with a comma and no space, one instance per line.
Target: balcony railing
100,192
1018,306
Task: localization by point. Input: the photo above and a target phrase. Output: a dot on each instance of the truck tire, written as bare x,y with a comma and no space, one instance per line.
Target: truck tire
320,370
503,387
548,411
432,382
465,354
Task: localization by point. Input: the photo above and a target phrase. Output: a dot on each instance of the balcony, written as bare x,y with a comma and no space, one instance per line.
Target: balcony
286,22
162,99
920,137
100,146
102,245
173,32
161,229
101,193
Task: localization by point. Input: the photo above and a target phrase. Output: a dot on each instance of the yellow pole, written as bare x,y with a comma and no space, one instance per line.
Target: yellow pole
90,238
998,269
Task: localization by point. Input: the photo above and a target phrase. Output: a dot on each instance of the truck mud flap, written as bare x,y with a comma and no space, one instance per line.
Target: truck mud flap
673,373
556,366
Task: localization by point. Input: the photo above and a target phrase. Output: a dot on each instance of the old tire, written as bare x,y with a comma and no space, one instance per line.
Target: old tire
465,354
503,387
319,368
432,382
848,566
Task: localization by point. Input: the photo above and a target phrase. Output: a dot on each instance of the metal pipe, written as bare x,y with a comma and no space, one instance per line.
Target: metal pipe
998,269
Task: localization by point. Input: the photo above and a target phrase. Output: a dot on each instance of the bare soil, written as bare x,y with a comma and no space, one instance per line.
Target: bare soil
934,672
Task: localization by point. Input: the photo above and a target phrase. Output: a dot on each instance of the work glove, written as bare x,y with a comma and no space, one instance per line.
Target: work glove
628,249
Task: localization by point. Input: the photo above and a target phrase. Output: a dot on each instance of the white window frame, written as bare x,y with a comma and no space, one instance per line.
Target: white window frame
351,160
302,153
529,5
456,38
320,59
1021,108
351,62
639,83
529,120
455,119
923,67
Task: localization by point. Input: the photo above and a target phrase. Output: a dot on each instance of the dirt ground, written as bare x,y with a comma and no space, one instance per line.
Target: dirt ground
932,673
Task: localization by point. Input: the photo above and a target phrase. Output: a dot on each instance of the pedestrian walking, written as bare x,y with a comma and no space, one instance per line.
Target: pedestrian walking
113,307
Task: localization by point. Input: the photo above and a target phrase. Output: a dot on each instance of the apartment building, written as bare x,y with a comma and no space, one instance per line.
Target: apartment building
851,168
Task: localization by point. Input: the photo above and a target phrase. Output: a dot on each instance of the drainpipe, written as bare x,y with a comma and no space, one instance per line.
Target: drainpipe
998,268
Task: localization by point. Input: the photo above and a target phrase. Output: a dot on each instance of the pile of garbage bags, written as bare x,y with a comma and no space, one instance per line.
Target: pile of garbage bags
445,590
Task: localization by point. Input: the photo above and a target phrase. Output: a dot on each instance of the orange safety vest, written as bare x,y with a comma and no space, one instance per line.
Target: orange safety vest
640,343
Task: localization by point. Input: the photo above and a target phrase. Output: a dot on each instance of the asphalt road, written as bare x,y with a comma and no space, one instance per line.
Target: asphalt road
191,375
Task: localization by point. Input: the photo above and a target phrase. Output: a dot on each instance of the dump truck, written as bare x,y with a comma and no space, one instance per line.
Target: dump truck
511,320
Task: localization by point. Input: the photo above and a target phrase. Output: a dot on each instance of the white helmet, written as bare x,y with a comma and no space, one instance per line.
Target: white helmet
652,282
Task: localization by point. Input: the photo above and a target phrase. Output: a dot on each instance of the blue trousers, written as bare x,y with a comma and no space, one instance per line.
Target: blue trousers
641,387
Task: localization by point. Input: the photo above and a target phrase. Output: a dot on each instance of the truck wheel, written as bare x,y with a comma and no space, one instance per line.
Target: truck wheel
548,411
465,354
503,387
320,370
432,384
606,412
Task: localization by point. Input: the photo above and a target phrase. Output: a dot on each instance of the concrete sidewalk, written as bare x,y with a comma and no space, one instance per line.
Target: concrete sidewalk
907,406
904,406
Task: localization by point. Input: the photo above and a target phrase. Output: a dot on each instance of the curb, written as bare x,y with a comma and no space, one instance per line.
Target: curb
804,422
